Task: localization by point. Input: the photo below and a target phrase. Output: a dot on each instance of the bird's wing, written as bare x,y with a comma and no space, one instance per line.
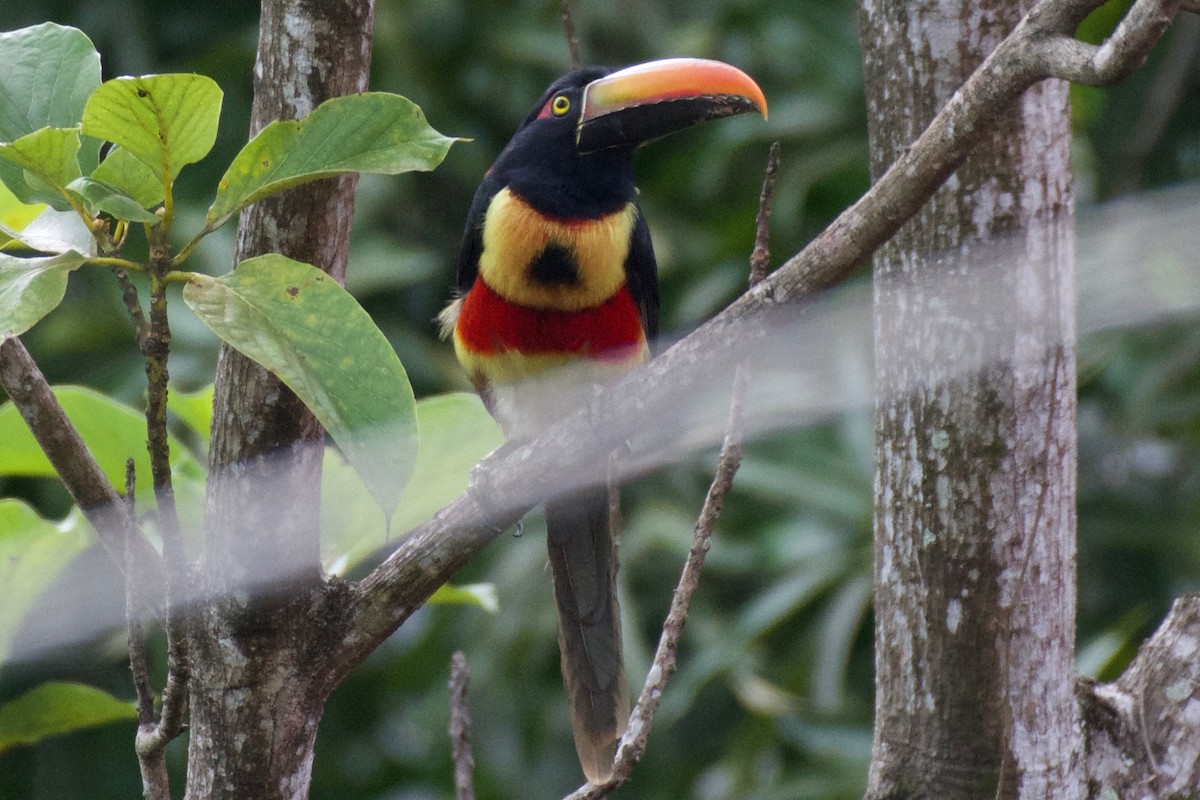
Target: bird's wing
641,276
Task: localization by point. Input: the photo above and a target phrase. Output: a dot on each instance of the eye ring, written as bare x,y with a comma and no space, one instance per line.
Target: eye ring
560,105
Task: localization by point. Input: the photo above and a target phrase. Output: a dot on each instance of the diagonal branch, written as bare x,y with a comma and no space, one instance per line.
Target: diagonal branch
87,484
569,450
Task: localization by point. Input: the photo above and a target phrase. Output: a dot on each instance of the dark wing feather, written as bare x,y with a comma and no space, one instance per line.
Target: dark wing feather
641,276
472,243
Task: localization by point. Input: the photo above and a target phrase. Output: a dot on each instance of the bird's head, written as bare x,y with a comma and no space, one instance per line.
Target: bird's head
575,149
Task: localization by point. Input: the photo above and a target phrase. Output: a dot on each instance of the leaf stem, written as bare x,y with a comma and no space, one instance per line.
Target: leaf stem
117,263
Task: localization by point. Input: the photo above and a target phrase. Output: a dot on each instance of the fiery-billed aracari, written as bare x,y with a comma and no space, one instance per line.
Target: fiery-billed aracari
558,292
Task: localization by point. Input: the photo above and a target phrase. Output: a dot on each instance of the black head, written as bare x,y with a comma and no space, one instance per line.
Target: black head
573,155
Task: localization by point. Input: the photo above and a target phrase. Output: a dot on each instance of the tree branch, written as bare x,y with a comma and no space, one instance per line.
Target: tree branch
571,449
87,484
572,39
460,728
1143,730
633,743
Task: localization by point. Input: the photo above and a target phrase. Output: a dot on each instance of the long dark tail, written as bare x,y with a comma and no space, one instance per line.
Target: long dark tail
583,561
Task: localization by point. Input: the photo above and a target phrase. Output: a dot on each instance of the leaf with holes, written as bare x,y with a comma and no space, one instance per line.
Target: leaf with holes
301,325
165,121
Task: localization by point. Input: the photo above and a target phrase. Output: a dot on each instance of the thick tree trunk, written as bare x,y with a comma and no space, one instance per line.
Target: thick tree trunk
975,447
260,677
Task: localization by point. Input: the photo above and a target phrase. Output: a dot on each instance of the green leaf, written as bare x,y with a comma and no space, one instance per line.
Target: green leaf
50,159
49,71
455,432
56,708
482,595
165,121
14,214
301,325
54,232
30,288
372,132
32,551
194,409
121,169
105,197
112,431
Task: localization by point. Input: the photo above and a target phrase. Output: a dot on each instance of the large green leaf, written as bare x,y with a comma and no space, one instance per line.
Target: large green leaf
30,288
101,196
302,326
52,231
47,75
455,432
165,121
372,132
56,708
50,160
112,431
194,409
122,170
32,551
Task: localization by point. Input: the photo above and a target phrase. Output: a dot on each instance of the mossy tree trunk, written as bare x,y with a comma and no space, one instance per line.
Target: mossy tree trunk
975,442
268,618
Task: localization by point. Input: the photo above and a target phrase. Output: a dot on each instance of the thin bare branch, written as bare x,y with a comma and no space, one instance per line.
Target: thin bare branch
572,39
460,728
77,468
760,258
156,346
129,296
1056,53
633,744
137,639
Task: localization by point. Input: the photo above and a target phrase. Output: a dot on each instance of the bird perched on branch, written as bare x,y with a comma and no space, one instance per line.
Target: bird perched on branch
557,293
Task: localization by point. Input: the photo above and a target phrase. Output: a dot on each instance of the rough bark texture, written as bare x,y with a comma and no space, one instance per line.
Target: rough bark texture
261,680
1143,730
975,449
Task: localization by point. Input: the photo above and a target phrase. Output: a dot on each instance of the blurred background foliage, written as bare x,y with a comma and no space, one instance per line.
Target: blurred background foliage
773,698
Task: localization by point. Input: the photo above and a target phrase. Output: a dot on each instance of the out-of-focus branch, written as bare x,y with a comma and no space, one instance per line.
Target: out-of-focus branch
572,39
633,744
460,728
515,477
78,470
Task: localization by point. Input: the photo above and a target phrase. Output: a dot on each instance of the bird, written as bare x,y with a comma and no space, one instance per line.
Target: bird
558,294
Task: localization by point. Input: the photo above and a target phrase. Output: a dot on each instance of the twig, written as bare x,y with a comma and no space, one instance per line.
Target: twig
156,783
87,484
156,346
572,39
633,743
129,295
460,728
760,257
137,639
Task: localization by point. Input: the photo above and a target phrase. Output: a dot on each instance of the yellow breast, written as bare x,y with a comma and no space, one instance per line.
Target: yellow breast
515,235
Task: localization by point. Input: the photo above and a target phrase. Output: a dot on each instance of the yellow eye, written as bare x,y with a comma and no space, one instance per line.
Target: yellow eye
560,105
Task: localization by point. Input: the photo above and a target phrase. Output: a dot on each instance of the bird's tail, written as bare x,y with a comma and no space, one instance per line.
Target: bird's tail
583,560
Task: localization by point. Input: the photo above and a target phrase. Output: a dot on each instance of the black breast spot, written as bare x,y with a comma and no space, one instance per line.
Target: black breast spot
555,266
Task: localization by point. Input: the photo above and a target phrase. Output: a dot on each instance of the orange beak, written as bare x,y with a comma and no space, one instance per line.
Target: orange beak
643,102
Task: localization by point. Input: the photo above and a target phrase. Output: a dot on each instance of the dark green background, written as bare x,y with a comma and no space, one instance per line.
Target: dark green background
773,698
